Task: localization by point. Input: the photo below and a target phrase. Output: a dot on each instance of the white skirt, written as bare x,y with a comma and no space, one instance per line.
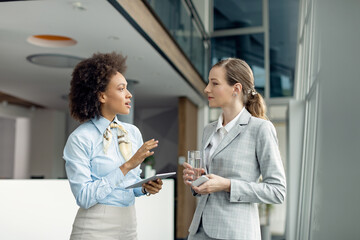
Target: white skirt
105,222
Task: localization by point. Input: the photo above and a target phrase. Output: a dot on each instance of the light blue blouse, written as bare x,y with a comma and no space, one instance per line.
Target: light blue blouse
95,177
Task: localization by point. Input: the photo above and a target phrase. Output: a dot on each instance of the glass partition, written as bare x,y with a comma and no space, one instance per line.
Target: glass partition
181,28
231,14
283,20
239,30
248,47
198,55
179,20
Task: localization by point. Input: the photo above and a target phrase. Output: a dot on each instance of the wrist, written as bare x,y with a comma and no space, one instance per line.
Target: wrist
125,168
143,190
227,185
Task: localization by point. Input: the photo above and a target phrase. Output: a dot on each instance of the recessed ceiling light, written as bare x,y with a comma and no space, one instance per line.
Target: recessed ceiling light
51,41
54,60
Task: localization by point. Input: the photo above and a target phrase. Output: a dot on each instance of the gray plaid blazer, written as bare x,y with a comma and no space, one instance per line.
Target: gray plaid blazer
249,150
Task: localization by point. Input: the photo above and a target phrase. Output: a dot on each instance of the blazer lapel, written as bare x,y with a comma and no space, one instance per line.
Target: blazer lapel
209,134
234,132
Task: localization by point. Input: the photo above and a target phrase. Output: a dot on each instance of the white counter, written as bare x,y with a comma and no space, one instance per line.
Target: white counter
45,209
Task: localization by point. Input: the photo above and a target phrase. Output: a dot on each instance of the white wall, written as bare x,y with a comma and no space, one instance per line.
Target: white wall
14,141
45,209
329,187
47,143
32,141
335,214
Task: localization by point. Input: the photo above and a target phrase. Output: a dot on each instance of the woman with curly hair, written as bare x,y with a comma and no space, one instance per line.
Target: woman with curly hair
103,155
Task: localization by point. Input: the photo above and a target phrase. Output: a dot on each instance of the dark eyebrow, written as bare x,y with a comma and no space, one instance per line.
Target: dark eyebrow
212,79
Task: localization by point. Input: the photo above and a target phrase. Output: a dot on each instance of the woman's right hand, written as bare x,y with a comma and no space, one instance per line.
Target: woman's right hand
143,152
188,174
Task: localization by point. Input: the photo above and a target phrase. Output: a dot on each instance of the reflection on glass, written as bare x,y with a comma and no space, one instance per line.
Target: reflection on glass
163,10
250,48
177,18
259,78
198,50
237,14
281,81
283,20
182,28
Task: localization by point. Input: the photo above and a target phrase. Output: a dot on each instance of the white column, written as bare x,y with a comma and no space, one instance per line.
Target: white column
22,148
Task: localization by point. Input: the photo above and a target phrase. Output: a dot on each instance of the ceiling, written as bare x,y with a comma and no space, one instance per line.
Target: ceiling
98,27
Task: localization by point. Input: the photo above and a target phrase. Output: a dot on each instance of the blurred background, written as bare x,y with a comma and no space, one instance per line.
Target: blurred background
304,55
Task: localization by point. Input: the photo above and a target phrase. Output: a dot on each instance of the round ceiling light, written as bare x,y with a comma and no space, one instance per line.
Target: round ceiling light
54,60
51,41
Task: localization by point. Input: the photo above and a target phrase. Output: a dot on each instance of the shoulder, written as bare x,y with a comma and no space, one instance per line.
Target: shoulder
85,128
263,128
260,123
84,133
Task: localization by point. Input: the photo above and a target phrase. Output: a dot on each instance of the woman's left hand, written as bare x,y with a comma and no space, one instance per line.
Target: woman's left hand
153,187
215,184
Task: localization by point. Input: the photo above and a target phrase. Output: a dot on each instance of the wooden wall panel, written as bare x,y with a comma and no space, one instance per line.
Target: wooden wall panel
186,202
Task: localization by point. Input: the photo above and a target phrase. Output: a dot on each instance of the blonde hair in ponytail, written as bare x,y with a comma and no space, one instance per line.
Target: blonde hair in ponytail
238,71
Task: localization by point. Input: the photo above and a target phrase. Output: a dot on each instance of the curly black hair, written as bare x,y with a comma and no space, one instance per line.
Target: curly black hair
90,77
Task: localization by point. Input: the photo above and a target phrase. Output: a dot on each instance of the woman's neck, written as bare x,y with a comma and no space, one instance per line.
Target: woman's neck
108,116
229,113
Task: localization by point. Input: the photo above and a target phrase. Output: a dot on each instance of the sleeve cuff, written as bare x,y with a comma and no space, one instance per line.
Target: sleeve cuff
235,191
138,192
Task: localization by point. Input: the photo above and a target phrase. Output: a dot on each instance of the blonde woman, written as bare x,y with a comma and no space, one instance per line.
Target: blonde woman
237,149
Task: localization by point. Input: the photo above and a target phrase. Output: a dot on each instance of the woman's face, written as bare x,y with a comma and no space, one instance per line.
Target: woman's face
219,92
116,98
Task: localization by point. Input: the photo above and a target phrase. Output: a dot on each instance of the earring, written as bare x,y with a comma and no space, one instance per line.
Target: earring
234,94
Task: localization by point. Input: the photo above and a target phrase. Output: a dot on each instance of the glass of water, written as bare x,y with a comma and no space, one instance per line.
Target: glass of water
194,159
